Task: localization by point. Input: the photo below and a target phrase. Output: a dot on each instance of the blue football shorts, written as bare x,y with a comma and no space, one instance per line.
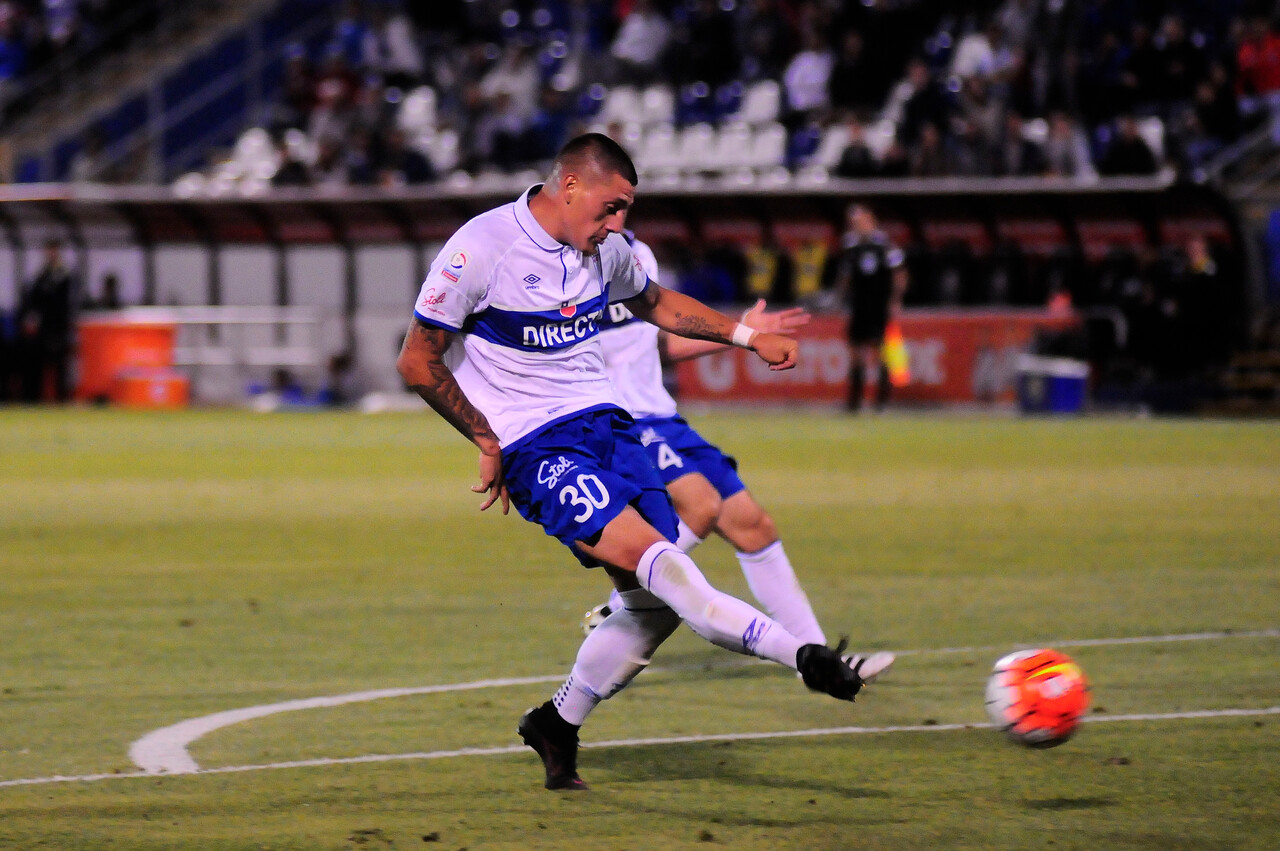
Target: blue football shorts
677,450
574,476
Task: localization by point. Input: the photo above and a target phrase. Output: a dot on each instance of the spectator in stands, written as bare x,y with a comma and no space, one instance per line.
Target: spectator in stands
297,90
1100,81
983,53
806,79
359,158
856,161
1017,20
896,160
1066,150
1016,155
918,100
292,171
1128,153
1258,58
1182,64
13,51
1141,77
90,165
45,327
849,87
968,151
928,158
982,112
330,168
507,97
390,48
708,49
766,39
640,44
706,279
349,33
335,92
401,165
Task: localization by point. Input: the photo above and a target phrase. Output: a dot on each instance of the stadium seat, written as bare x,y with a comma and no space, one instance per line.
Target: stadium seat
761,103
442,149
1151,129
623,104
658,105
417,111
879,136
831,146
659,150
769,147
733,146
697,147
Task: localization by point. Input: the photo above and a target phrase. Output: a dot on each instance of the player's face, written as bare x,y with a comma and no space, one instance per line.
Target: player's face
598,208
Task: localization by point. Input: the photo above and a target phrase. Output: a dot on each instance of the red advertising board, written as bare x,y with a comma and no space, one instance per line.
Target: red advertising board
953,356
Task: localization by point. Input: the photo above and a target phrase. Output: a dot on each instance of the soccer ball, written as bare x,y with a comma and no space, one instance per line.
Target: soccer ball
1037,697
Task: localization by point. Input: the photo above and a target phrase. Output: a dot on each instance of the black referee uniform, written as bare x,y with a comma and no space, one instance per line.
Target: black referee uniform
868,266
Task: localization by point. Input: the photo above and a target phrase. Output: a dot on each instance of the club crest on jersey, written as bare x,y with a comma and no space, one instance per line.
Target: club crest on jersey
567,310
456,264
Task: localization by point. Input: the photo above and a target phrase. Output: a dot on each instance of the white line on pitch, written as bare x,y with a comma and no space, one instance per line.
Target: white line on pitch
634,743
164,751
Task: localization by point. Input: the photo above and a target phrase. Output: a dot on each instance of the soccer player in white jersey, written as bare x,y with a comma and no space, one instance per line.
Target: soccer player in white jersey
504,346
704,484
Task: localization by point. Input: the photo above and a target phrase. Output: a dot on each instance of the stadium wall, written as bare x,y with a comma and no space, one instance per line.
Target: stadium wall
358,257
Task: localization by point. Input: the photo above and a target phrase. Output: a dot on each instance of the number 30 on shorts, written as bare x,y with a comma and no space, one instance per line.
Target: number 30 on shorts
590,494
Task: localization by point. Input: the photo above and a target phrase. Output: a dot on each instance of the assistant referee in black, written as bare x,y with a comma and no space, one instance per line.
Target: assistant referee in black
871,277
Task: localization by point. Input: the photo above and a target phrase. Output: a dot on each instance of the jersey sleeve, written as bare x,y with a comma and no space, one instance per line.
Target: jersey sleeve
455,285
623,269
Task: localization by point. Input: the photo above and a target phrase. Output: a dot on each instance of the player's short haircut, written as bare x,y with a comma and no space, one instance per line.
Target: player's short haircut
592,149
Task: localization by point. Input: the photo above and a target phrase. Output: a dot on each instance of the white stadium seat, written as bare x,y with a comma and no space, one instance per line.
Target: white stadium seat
418,111
831,147
761,103
697,147
879,136
1151,130
658,150
733,146
769,147
621,104
657,105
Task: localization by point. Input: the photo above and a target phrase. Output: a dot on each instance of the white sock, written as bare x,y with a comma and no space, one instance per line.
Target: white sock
774,584
687,540
723,620
614,653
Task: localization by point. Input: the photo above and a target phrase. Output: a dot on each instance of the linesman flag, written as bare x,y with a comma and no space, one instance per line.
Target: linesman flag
894,354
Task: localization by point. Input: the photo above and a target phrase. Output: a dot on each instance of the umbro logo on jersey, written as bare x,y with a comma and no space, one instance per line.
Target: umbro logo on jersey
531,280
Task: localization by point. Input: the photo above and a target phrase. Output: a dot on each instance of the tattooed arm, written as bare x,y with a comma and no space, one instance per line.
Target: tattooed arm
679,314
421,365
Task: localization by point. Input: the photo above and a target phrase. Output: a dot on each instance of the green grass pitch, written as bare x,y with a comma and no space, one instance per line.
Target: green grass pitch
162,567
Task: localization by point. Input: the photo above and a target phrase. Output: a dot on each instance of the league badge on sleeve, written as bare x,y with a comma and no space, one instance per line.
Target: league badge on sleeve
456,264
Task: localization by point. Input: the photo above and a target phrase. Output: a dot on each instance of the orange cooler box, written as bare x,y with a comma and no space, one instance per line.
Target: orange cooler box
151,388
112,344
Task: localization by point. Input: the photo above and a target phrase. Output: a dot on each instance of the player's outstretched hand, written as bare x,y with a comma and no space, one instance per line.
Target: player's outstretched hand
492,482
775,321
776,350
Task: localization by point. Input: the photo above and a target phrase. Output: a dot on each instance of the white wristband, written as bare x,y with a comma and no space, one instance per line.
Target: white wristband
742,335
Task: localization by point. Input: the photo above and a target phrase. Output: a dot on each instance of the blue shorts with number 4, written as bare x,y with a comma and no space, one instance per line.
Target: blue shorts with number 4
575,475
677,450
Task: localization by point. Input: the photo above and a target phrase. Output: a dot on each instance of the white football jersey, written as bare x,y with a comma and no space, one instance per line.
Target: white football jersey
631,354
527,310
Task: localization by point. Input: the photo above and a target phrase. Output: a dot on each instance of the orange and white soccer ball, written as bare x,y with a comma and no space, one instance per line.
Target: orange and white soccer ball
1037,697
